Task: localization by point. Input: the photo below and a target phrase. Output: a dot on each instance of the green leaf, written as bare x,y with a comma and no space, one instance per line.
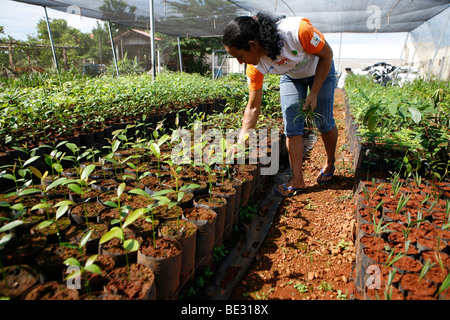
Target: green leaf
416,115
190,186
134,216
55,183
11,225
115,232
162,200
115,145
40,206
75,188
131,245
5,239
45,223
9,176
32,159
139,192
392,109
18,207
58,167
72,262
403,112
28,191
72,147
61,211
371,122
91,259
154,148
110,204
93,268
64,203
161,193
444,285
85,238
121,188
87,171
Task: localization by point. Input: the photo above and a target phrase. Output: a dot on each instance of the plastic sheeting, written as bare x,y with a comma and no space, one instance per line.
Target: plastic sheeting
209,17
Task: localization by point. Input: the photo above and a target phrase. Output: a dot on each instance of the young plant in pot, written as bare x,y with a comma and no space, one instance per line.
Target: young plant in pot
54,160
19,182
164,256
56,222
81,271
19,171
81,186
135,272
155,149
129,245
76,156
182,196
15,280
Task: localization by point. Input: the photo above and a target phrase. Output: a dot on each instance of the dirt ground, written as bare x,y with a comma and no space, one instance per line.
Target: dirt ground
309,252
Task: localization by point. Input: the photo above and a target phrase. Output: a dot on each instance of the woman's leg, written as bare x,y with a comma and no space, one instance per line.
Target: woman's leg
330,141
295,150
326,125
292,93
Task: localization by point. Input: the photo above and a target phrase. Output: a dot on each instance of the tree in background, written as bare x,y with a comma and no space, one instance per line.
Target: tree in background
74,46
194,52
101,52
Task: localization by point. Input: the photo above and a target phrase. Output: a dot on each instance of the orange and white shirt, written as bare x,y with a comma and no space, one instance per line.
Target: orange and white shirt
297,60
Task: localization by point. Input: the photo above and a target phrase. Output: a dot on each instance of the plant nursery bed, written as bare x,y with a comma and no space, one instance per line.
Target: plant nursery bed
313,249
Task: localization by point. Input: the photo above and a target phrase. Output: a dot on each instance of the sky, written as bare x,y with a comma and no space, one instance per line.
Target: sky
20,20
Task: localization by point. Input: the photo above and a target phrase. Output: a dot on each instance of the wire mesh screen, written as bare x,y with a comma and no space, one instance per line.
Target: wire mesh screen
426,21
208,17
429,46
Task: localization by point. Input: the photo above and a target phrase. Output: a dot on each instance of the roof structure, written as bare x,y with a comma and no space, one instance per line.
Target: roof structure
134,36
209,17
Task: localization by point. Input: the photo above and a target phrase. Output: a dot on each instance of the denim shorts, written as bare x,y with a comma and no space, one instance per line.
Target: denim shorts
293,93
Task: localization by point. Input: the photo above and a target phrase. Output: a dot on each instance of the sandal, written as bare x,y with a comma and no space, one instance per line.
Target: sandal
294,191
325,175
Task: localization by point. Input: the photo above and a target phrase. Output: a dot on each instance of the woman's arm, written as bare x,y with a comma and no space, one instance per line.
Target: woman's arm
323,68
251,113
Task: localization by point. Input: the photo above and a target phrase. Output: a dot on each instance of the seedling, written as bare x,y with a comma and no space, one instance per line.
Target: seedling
302,288
388,289
89,265
129,245
81,186
5,239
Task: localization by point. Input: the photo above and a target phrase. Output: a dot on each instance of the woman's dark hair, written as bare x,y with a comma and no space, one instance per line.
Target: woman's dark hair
261,28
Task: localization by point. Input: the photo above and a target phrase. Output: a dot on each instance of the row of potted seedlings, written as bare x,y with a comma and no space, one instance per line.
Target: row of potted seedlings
403,239
128,224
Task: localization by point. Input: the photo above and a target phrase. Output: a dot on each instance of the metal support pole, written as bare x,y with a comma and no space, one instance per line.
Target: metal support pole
339,57
152,39
179,53
112,47
213,63
51,40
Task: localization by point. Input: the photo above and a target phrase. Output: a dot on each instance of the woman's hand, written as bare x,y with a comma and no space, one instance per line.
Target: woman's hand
310,102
